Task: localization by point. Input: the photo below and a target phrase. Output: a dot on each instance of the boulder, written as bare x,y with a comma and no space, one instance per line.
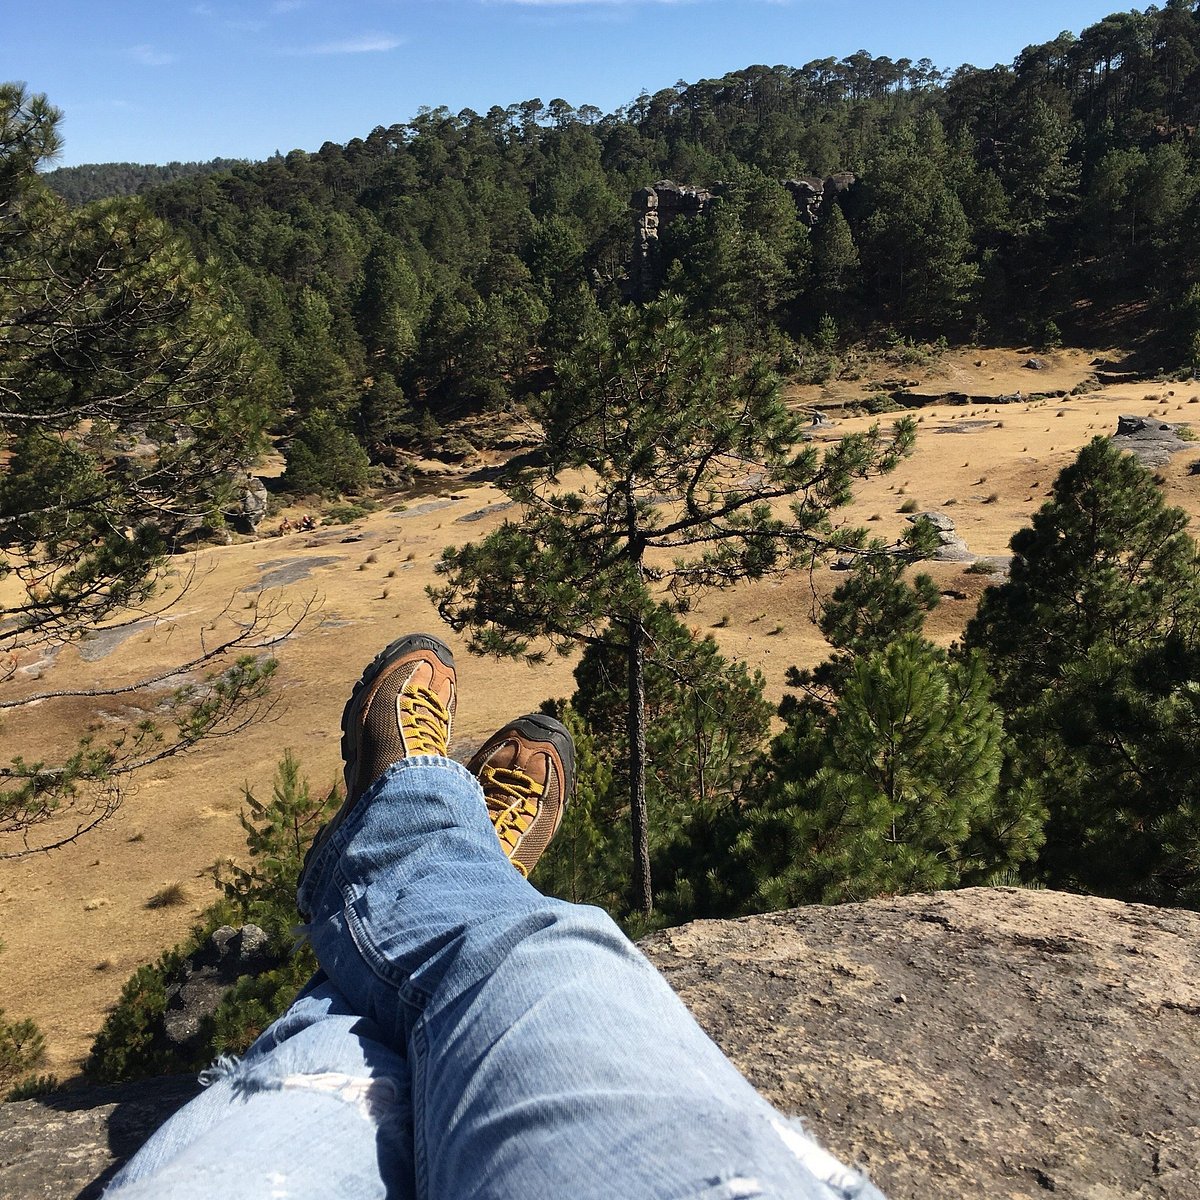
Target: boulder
250,503
951,547
1150,440
198,988
983,1043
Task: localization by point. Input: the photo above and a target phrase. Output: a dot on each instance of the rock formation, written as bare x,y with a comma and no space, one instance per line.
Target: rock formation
204,978
1149,440
813,195
951,547
984,1043
655,207
250,502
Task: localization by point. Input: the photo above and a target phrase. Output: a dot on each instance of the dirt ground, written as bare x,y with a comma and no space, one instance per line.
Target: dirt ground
75,923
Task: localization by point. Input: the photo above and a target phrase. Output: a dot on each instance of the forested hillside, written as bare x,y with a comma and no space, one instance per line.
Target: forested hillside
100,181
434,266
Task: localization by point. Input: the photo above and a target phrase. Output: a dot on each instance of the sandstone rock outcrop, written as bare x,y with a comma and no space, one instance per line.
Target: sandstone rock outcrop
654,208
814,195
996,1043
951,547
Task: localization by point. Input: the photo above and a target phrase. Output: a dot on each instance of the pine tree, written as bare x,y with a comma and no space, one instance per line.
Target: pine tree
663,460
1095,645
706,721
130,405
888,792
835,262
885,775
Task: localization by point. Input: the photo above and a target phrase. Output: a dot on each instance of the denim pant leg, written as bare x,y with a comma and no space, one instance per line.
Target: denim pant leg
318,1107
547,1057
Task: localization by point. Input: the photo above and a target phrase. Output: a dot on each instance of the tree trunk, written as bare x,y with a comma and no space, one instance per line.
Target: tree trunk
643,894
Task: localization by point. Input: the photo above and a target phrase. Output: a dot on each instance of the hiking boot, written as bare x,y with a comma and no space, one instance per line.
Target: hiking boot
526,771
403,706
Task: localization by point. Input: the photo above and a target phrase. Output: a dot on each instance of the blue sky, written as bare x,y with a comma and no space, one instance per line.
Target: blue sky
157,80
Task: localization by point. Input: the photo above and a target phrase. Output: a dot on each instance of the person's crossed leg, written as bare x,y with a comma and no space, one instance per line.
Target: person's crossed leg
467,1036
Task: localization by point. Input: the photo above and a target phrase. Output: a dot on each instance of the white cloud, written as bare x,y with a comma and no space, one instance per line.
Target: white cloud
148,56
287,6
370,43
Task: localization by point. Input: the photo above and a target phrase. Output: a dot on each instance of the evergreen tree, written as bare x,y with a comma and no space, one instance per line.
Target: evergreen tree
130,405
918,245
873,606
884,777
680,454
706,722
835,262
1104,560
1095,645
892,791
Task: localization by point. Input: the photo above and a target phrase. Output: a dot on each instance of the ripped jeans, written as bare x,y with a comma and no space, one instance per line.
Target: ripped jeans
467,1037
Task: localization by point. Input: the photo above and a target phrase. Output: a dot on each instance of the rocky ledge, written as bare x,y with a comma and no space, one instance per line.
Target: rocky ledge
998,1043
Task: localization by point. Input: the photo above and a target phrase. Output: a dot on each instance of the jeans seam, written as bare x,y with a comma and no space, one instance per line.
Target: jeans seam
418,1060
408,992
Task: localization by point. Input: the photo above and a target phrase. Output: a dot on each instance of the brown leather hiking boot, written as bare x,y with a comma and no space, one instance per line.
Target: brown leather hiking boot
402,706
526,771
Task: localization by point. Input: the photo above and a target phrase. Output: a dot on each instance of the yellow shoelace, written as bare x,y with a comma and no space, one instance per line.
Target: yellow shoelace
512,798
428,724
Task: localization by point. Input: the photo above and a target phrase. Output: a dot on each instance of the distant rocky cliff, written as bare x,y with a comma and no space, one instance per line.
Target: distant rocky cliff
657,206
985,1043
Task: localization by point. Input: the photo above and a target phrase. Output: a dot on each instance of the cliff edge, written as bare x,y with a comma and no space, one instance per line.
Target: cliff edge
990,1042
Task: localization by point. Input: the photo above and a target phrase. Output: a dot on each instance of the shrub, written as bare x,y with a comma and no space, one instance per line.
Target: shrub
343,514
325,458
33,1086
168,897
22,1047
909,506
278,833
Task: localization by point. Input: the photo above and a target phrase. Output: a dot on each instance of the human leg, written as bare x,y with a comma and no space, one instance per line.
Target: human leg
318,1107
537,1053
547,1056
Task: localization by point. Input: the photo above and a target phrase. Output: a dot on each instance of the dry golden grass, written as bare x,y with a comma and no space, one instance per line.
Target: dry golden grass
183,815
170,895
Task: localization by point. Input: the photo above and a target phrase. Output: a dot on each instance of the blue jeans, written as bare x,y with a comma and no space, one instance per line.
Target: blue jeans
468,1037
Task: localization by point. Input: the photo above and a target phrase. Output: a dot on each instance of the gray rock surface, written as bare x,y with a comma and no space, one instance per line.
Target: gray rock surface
951,547
251,503
1149,440
200,985
1001,1044
70,1144
813,195
984,1043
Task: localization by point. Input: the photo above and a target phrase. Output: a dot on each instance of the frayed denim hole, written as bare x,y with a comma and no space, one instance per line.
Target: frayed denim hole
226,1067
